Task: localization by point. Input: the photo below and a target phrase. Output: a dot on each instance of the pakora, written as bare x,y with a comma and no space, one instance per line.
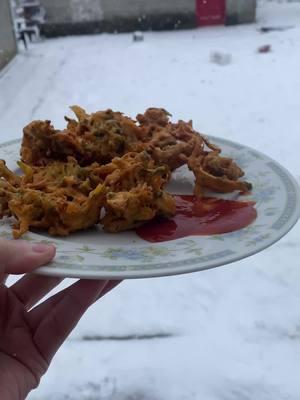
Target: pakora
104,135
106,168
64,197
98,137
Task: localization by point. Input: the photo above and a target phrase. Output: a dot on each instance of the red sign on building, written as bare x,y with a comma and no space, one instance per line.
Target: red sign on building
210,12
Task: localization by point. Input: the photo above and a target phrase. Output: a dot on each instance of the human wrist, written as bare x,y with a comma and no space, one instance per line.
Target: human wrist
12,391
16,382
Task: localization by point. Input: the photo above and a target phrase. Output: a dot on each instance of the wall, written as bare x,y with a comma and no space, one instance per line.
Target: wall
8,47
67,17
88,10
240,11
137,8
69,11
92,10
57,11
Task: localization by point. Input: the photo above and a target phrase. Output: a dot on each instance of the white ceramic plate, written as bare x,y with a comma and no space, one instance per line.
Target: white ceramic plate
94,254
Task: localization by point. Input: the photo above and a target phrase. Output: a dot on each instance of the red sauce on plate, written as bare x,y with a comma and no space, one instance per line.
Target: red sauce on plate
208,216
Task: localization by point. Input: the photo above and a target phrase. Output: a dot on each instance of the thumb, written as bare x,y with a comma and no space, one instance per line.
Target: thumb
20,257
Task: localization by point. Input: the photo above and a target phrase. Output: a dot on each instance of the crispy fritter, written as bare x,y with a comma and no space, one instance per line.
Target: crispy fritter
179,144
64,197
58,198
130,209
107,168
213,172
134,191
131,170
167,143
97,137
104,135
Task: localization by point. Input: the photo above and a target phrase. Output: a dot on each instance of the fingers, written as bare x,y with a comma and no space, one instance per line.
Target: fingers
36,315
32,288
55,327
3,278
20,257
109,286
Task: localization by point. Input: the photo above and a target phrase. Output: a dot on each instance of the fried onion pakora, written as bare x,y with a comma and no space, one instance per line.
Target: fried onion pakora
98,137
64,197
104,135
179,144
105,168
127,210
57,198
134,191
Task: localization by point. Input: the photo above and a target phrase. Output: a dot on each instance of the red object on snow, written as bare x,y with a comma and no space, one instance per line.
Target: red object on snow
265,49
210,12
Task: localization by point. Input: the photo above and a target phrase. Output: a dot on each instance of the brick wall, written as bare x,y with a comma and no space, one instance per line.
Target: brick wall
8,47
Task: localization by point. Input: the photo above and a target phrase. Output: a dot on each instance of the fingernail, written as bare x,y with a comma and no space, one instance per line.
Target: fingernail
41,248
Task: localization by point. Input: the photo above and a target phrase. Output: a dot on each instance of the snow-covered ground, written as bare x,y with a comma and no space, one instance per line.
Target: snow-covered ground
232,333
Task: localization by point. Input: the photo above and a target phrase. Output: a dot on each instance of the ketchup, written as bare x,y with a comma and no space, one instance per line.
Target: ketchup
206,216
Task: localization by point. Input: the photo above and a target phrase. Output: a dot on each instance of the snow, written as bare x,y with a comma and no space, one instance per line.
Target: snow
232,333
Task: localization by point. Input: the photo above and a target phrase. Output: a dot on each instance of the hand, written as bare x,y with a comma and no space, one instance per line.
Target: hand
31,334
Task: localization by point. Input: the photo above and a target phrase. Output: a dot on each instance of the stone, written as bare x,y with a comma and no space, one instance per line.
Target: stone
138,36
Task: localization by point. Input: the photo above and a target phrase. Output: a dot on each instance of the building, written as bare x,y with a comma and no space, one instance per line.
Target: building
8,45
65,17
